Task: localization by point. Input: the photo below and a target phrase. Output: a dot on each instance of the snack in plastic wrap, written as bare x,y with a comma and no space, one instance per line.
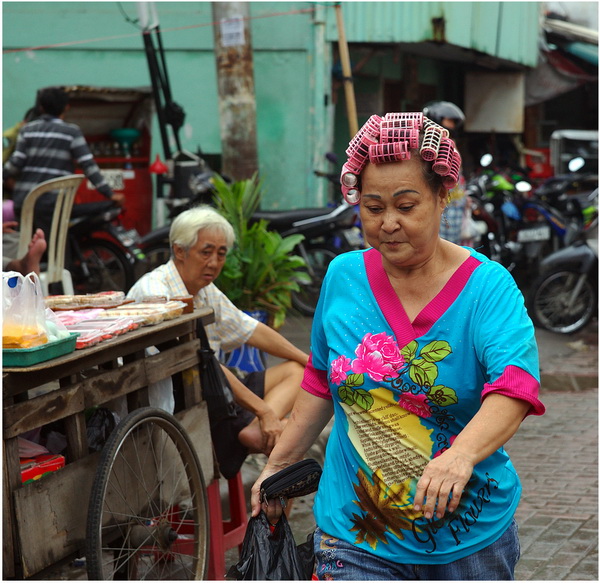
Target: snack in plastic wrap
107,299
171,309
147,316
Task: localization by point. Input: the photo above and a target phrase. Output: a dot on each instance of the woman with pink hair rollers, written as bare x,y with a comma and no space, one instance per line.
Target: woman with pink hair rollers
424,353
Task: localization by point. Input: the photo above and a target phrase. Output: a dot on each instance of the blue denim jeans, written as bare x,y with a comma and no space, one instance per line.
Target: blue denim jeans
337,560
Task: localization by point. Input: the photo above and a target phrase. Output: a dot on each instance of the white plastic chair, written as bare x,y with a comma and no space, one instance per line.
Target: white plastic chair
55,271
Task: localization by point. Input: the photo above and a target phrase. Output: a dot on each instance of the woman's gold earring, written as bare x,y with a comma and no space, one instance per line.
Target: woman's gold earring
446,222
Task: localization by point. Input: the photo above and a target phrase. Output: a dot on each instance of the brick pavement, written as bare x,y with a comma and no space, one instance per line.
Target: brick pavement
556,456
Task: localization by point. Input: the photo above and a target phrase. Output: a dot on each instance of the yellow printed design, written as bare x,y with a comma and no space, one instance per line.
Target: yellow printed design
396,443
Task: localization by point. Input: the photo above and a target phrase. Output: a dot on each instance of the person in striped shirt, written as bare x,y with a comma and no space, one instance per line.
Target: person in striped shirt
48,147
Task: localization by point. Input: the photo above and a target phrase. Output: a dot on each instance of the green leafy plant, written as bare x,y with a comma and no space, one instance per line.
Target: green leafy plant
261,270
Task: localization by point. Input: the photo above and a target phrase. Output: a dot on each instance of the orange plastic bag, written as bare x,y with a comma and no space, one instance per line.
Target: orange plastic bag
23,311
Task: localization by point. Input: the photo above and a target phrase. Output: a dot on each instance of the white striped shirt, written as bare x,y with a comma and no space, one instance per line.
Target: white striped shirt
232,327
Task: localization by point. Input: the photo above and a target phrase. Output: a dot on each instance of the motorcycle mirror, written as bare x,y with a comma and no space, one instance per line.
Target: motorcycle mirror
576,164
523,186
486,160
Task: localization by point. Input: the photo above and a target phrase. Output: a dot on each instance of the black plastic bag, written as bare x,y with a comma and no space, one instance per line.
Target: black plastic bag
215,387
100,423
273,556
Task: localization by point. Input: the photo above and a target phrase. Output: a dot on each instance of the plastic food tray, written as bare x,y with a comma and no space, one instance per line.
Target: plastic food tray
37,354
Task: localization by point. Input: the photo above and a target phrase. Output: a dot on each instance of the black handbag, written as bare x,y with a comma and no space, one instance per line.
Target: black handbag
299,479
215,387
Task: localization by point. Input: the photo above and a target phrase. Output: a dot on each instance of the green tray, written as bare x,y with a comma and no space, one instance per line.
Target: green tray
37,354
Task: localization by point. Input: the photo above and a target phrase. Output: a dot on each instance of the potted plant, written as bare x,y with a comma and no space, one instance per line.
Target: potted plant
261,270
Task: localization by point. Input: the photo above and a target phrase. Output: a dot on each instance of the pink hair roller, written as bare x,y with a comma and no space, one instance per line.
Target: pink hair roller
441,165
431,143
449,181
390,152
358,153
403,120
348,178
352,195
410,135
372,126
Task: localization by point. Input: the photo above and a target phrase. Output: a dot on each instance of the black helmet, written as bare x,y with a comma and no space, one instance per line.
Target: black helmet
438,110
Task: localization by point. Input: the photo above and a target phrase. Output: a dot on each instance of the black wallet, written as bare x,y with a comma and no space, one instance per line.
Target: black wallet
299,479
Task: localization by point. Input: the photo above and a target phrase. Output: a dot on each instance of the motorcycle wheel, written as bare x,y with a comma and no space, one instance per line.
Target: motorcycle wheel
109,267
156,255
305,300
549,300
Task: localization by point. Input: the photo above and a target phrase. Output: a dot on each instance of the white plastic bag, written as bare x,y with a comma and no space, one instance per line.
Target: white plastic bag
23,311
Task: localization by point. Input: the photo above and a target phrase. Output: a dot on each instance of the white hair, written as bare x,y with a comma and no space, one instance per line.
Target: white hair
185,227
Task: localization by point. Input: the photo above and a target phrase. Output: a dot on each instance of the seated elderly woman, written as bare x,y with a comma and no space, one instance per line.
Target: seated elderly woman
200,239
423,351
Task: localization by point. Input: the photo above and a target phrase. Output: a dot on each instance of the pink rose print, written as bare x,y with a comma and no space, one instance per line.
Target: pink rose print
386,346
441,451
378,356
415,404
339,369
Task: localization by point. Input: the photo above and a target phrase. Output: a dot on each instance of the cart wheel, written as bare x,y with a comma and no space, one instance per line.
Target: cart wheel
148,511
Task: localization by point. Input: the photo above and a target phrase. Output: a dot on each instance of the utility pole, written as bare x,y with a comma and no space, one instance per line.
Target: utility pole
235,80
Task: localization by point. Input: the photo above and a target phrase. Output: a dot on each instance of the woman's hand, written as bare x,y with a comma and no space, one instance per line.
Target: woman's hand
273,508
492,426
444,475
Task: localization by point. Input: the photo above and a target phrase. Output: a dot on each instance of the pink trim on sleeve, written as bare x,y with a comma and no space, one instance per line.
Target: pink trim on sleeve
315,381
516,383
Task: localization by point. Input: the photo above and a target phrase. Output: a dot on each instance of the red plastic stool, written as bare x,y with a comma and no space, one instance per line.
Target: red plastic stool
225,534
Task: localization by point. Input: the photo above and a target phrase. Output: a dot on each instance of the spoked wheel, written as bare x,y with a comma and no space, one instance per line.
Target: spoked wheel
318,259
109,268
148,512
563,301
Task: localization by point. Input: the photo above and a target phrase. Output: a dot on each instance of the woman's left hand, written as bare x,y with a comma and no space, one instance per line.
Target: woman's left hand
444,475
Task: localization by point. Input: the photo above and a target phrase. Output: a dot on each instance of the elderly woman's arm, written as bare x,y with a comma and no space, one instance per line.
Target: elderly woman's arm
308,418
494,424
272,342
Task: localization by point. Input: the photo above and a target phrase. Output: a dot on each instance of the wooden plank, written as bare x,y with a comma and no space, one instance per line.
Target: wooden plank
44,409
76,434
192,390
51,514
8,527
97,390
196,424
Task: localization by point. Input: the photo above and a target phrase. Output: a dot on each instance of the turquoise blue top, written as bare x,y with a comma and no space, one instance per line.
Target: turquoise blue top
402,391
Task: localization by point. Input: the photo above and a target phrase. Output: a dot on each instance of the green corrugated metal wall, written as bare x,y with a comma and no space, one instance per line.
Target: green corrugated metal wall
506,30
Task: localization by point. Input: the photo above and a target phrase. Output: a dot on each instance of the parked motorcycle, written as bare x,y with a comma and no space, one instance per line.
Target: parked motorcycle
564,297
102,254
327,233
520,227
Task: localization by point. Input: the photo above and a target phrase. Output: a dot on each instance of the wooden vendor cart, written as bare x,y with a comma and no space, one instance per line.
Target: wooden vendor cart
138,507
